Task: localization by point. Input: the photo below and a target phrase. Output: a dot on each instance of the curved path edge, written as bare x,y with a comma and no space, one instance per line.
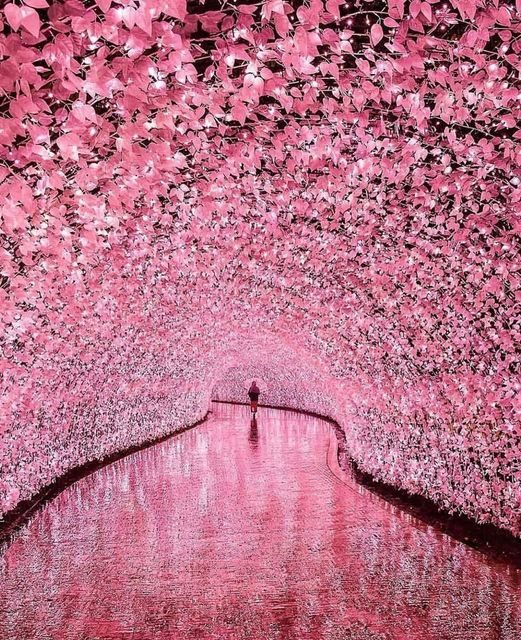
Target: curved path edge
488,539
13,520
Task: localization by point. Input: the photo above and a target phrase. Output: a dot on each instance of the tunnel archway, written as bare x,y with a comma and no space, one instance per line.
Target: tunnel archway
184,181
120,402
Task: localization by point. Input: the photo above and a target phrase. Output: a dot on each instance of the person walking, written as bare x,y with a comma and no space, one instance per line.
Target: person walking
253,394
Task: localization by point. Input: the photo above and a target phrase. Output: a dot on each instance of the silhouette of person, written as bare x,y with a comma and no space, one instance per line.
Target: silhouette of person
253,394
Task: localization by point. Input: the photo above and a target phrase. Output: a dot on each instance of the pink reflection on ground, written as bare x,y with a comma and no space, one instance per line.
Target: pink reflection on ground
240,530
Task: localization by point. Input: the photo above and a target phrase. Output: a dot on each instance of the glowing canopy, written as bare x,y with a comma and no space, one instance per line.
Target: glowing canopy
189,187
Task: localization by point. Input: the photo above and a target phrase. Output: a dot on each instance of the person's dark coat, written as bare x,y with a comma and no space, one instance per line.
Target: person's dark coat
254,392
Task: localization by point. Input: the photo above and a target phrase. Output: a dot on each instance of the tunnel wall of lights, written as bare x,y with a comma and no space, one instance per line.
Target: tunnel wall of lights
325,193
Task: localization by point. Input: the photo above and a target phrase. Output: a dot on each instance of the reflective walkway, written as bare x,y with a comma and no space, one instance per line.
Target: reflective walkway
234,531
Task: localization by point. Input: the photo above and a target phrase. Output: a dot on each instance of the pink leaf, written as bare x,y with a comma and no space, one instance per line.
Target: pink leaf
239,112
36,4
282,24
69,144
13,14
333,7
176,9
503,16
144,20
396,8
358,99
364,66
31,20
426,10
129,17
376,34
104,5
415,8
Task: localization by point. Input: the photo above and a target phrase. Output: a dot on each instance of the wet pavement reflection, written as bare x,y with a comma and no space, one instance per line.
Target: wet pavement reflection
240,529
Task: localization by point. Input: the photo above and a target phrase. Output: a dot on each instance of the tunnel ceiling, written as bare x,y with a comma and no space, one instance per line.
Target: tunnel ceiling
344,174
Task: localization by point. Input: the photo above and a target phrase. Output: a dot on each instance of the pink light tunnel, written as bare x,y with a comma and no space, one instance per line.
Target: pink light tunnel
325,195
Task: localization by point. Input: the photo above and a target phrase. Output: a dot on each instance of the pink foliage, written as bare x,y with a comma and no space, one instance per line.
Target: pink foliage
185,186
467,470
